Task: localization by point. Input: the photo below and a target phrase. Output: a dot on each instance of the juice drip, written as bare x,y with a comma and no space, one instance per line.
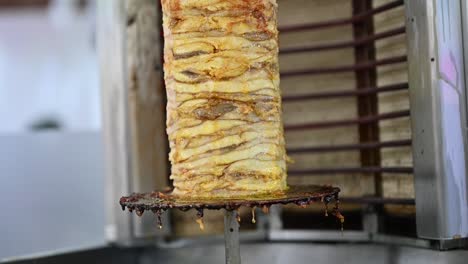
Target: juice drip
325,200
158,216
200,213
139,212
199,219
238,216
337,213
200,223
341,218
266,209
303,204
253,215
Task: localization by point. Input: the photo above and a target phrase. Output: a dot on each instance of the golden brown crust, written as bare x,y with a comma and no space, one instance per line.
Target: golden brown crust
224,107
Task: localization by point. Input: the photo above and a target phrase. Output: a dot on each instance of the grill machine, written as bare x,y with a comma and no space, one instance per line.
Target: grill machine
429,38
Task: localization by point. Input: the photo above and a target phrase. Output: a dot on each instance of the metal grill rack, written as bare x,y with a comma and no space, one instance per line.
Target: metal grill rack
365,91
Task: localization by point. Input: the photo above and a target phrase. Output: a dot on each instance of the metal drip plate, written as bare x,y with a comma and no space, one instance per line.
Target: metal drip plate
160,201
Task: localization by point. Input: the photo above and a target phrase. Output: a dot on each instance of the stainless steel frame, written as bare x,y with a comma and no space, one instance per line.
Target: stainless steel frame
438,110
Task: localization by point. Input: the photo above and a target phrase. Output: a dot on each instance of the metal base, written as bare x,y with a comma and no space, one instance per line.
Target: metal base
161,201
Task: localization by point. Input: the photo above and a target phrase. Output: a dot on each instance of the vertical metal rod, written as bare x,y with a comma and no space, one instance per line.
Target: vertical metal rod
368,106
231,237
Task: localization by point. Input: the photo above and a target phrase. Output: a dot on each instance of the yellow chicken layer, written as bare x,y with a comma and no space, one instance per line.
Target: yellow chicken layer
208,45
233,156
214,5
178,98
218,66
227,86
247,139
265,129
230,25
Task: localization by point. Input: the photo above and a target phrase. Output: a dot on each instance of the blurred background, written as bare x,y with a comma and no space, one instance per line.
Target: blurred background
50,139
49,71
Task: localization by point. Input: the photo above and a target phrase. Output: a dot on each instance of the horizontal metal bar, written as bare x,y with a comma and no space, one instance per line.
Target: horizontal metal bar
346,93
343,44
317,235
350,147
341,21
345,68
401,241
347,122
348,170
377,200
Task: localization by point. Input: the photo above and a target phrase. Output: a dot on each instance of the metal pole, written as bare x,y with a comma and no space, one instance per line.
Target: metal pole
231,237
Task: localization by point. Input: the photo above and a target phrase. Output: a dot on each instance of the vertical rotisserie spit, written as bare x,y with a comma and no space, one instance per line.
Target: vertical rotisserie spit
224,106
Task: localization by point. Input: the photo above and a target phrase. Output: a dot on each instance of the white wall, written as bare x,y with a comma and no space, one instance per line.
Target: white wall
52,183
48,67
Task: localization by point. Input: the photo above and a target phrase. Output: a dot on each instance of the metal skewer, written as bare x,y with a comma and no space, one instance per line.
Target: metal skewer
231,237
